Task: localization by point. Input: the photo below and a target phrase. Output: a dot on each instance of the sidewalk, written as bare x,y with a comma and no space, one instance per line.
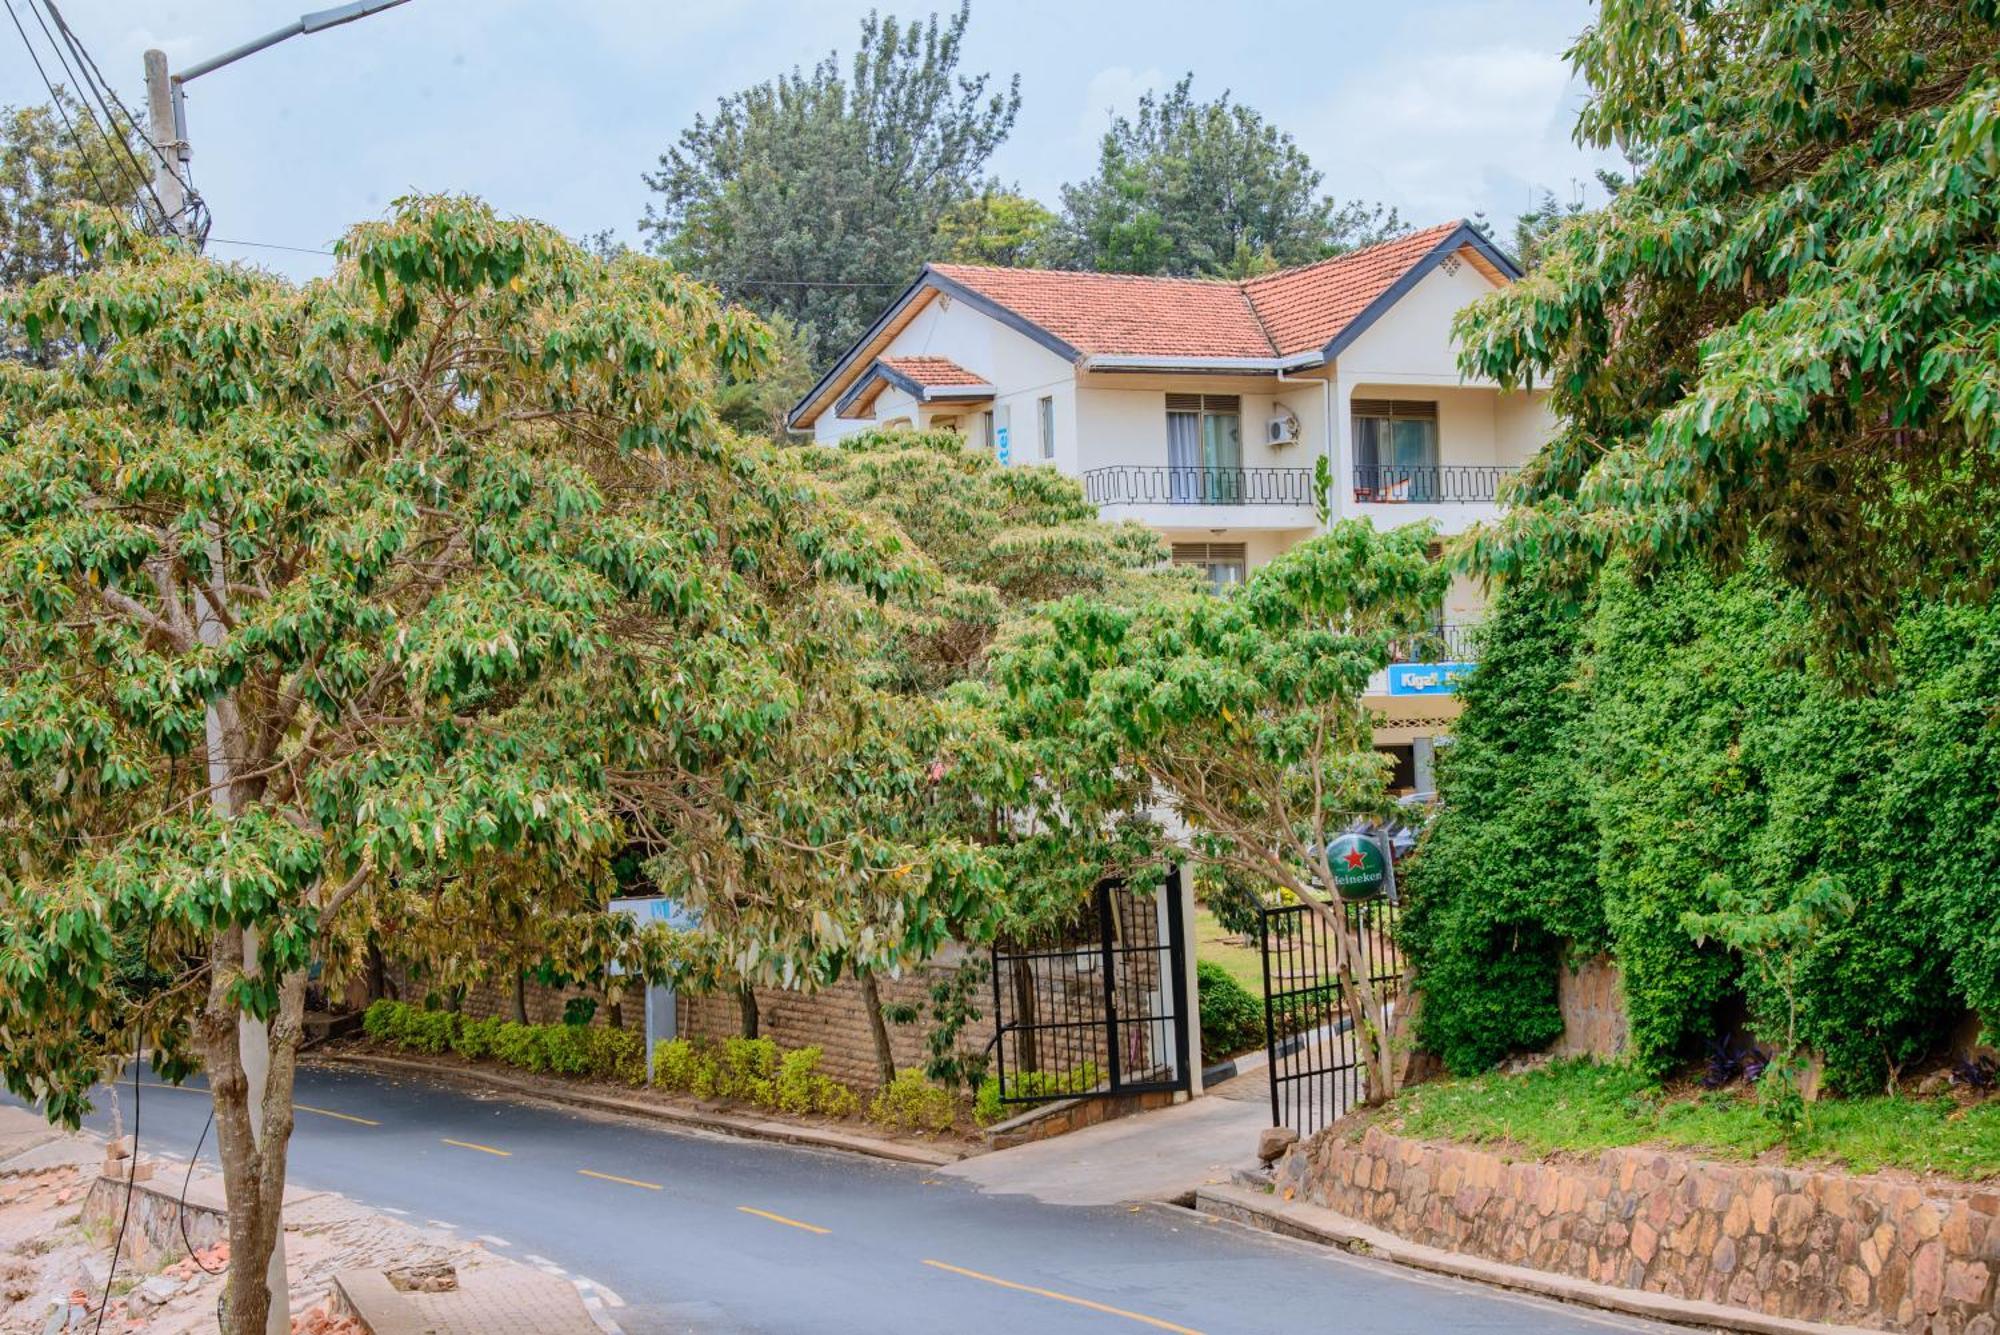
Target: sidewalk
1153,1156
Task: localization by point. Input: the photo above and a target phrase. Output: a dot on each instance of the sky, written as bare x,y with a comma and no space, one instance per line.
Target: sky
1442,108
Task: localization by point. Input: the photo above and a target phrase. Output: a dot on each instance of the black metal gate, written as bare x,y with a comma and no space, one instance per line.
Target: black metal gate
1317,1067
1097,1008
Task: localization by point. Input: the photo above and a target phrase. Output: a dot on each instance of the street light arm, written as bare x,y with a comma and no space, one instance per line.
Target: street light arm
317,21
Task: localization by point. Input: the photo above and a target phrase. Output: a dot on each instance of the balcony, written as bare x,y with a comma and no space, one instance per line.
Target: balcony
1170,497
1429,484
1451,642
1166,484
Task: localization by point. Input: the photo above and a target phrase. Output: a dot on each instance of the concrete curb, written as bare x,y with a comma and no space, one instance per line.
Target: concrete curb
369,1297
1314,1223
751,1128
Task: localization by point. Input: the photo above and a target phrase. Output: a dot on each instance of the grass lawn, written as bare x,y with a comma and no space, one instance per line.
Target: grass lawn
1584,1106
1244,963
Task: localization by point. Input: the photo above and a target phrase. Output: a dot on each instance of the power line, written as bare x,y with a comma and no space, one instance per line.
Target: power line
55,98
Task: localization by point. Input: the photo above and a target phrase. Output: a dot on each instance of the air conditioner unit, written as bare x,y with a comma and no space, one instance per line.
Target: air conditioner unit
1282,429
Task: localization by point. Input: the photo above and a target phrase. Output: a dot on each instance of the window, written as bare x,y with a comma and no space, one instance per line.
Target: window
1204,449
986,432
1225,563
1396,450
1045,415
1402,768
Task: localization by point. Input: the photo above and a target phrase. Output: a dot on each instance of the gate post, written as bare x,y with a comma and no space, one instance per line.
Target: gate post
1187,1010
1107,924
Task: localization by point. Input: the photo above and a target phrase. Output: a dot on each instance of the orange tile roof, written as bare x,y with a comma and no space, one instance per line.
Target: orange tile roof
1308,307
934,371
1277,314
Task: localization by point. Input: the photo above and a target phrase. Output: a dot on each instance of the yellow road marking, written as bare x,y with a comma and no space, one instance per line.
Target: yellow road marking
483,1149
1152,1321
328,1112
780,1219
301,1107
628,1181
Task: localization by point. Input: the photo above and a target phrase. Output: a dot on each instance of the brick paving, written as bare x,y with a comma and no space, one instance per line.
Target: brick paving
509,1299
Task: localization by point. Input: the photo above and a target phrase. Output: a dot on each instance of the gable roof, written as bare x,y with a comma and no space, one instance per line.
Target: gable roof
925,379
1292,318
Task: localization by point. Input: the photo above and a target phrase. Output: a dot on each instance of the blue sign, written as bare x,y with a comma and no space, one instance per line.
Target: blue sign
1000,447
1427,678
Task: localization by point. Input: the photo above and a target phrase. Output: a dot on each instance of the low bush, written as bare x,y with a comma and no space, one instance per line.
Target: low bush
1232,1020
912,1103
753,1071
989,1104
748,1071
561,1049
801,1087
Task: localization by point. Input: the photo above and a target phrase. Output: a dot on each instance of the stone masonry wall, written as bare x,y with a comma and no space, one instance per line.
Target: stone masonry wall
1877,1251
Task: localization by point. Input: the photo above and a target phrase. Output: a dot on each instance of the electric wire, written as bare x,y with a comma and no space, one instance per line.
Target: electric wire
180,1210
132,1166
55,100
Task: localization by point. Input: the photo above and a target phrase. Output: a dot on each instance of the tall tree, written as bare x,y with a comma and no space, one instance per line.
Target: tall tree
1787,327
1207,189
998,226
814,195
1243,715
393,604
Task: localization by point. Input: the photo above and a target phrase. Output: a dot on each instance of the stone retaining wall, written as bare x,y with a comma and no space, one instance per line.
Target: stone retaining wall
1878,1251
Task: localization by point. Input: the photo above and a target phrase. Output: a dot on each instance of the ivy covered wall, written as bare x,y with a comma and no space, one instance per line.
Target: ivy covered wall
1666,748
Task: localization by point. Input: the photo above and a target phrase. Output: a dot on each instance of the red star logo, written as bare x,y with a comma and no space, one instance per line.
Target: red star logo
1355,859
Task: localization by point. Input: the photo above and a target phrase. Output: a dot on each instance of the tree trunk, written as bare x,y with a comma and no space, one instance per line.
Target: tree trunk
746,1002
1027,1051
878,1028
1370,1013
253,1158
520,996
378,973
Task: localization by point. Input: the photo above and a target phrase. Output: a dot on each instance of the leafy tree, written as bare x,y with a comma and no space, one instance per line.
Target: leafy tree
814,195
756,402
1504,888
52,156
1207,189
1533,228
1243,715
388,607
998,226
912,760
1786,330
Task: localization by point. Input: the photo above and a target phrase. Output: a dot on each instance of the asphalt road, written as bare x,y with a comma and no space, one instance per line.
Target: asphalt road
706,1233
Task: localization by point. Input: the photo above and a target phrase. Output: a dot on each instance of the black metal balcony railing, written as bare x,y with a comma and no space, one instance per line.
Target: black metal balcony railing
1429,484
1452,642
1168,484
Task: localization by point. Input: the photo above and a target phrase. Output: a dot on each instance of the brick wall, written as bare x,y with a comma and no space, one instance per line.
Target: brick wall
544,1004
1888,1253
835,1019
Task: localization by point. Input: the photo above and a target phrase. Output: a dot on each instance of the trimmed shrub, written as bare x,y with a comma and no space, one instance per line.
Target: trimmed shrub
749,1070
988,1106
674,1064
379,1020
1232,1020
914,1104
476,1038
801,1087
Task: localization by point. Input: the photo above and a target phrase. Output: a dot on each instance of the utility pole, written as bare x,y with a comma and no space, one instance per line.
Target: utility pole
167,126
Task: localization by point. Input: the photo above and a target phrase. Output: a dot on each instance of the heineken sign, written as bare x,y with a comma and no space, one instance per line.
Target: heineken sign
1358,869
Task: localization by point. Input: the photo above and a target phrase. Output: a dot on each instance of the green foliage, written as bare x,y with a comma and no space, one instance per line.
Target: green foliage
998,226
801,1087
988,1106
1783,338
913,1103
1584,1107
840,179
1236,900
558,1049
1671,775
51,156
1232,1020
750,1071
1506,883
1207,189
1243,714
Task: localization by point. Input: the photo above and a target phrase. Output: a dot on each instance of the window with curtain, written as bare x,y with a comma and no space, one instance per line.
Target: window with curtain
1396,450
1204,449
1225,563
1045,413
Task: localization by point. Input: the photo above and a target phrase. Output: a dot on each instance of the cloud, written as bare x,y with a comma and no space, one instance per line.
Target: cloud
1441,134
1112,91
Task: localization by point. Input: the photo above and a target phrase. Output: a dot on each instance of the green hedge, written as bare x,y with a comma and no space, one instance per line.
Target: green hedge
556,1049
1624,763
1232,1020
